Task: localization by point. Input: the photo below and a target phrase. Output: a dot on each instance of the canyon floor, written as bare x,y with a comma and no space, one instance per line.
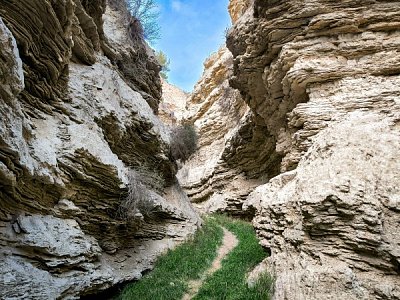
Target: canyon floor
191,272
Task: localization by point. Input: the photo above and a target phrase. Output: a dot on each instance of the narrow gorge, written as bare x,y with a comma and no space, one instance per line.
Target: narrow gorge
298,124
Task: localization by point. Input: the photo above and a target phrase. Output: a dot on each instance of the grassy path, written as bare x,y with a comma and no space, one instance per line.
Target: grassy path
229,282
172,272
201,269
229,242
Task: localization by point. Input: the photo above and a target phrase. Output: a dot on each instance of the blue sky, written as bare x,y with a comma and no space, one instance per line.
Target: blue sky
190,31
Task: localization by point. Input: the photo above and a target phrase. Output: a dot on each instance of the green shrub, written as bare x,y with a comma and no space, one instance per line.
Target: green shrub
164,63
183,142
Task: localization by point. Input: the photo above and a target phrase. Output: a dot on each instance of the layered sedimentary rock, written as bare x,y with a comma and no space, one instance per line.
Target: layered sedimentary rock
323,77
71,129
234,154
173,104
237,8
136,60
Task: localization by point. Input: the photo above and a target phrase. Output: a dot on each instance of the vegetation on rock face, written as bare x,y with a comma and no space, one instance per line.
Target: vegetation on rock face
183,142
189,261
138,203
164,63
142,17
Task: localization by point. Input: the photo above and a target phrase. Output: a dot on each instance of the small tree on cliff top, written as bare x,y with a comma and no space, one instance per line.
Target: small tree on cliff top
146,11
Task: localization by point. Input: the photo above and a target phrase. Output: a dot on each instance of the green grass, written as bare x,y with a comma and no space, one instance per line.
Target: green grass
172,271
229,282
170,277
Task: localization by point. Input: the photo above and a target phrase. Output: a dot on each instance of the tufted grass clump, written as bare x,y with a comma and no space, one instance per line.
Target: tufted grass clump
264,285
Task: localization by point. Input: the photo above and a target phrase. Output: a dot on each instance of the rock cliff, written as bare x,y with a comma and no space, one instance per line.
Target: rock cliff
322,79
299,125
173,104
78,94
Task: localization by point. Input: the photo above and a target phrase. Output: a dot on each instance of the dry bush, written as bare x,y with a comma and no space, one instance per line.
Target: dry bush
226,31
117,4
147,13
138,202
152,180
137,193
183,142
140,16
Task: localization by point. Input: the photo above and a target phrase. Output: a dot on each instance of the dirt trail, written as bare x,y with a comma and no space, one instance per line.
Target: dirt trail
229,242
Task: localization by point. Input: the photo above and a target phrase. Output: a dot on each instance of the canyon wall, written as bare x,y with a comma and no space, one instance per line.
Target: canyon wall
299,128
323,79
78,132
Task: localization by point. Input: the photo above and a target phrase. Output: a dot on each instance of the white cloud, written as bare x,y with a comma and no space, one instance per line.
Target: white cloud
182,8
177,5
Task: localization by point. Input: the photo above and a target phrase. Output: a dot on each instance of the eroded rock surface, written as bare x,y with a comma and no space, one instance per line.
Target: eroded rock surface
322,78
173,104
331,224
237,8
72,128
214,109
